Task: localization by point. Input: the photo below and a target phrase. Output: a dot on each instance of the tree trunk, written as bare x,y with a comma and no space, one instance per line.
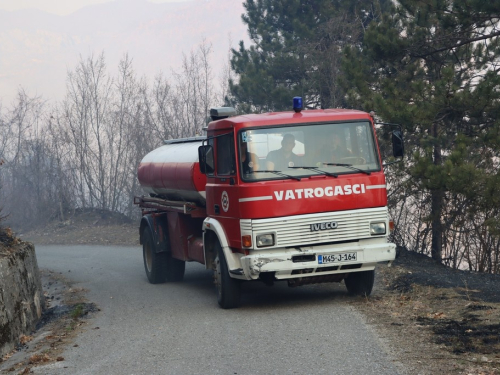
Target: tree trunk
437,198
437,230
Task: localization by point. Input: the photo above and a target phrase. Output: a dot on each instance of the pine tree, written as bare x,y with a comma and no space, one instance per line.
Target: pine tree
296,51
433,66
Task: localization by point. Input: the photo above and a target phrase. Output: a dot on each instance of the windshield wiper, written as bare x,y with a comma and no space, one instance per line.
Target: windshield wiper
278,173
350,167
315,169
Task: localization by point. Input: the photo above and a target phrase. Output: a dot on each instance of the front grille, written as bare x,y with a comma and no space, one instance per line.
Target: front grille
296,230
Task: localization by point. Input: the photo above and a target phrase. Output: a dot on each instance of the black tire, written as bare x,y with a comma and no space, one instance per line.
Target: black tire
155,263
228,289
360,283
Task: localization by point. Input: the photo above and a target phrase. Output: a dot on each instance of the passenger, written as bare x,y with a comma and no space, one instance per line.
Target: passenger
284,157
319,149
249,160
332,152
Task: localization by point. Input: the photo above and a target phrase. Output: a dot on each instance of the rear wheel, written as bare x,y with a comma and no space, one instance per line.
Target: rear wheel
360,283
228,289
160,266
155,263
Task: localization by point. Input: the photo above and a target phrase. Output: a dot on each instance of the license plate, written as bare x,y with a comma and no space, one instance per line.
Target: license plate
335,258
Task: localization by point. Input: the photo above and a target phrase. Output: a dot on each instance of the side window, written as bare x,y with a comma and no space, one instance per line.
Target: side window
226,164
210,142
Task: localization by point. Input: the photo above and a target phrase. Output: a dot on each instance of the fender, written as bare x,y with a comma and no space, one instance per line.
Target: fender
157,223
232,259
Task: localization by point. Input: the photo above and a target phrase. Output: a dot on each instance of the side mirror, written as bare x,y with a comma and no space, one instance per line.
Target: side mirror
206,158
398,146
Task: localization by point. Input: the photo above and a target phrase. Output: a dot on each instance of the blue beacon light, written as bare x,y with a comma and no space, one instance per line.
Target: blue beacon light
297,104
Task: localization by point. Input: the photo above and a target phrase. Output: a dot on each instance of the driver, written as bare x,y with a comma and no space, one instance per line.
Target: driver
284,157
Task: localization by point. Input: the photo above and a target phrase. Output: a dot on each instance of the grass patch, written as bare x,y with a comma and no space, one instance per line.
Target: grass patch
77,312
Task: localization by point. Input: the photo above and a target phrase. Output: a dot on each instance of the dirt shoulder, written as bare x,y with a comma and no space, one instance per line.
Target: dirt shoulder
87,227
65,316
432,319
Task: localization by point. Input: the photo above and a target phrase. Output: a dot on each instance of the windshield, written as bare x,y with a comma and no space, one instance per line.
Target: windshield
306,150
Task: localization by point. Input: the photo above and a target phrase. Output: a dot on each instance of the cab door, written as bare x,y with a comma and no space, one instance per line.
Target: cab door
222,191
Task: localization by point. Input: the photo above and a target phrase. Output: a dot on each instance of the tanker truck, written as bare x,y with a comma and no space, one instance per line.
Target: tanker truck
297,196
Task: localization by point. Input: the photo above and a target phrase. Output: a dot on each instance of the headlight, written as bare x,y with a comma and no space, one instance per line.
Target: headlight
265,240
377,229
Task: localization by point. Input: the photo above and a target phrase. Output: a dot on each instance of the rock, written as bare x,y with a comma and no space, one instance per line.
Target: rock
21,295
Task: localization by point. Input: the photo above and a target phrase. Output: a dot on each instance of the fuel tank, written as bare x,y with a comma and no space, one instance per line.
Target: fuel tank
172,171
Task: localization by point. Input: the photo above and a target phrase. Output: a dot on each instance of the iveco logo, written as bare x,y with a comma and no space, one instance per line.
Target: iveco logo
324,226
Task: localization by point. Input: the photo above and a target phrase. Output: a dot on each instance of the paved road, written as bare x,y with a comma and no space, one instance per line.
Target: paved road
178,328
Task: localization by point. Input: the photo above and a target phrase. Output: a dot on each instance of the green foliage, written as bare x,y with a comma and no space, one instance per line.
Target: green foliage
433,67
77,312
296,52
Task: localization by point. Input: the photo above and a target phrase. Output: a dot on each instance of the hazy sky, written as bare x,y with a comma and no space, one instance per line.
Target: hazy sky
60,7
37,51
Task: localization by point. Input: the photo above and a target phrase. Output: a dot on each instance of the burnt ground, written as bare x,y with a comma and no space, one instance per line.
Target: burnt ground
425,272
432,319
436,319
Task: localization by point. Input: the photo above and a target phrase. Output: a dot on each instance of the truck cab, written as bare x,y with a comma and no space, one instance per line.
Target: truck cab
298,196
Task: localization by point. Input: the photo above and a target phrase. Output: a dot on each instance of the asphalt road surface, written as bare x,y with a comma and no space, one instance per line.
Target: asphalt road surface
178,328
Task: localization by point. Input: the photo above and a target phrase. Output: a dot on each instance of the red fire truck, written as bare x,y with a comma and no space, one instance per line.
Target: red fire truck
298,196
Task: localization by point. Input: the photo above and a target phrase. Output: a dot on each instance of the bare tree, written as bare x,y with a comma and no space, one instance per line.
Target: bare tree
30,178
125,136
226,75
193,92
86,114
159,109
84,151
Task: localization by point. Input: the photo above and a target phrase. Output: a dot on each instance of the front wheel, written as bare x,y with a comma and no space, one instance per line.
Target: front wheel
360,283
228,289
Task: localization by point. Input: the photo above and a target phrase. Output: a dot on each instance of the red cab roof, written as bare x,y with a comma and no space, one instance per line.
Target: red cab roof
277,118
